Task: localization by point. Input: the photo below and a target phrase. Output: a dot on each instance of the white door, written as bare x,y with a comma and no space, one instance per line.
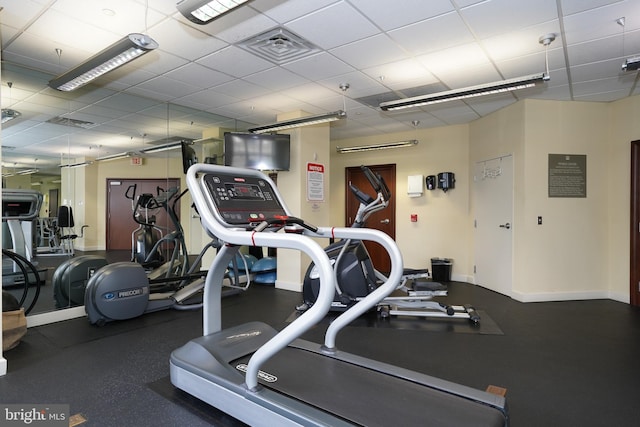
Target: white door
493,201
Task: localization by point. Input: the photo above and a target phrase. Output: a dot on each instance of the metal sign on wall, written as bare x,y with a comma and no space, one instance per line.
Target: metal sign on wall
567,175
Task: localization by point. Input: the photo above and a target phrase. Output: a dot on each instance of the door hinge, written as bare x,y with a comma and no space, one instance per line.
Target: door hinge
474,270
475,223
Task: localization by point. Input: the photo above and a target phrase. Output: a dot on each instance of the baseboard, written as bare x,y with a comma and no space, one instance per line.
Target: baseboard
55,316
616,296
83,248
559,296
462,278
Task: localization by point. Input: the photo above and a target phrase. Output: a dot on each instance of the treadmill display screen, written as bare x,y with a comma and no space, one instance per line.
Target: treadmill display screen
242,200
245,192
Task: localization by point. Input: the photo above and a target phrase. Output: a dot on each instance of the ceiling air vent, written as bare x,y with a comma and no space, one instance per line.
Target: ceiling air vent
278,46
65,121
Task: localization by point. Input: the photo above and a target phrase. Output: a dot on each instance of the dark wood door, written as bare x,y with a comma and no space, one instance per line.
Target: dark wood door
120,223
634,232
384,220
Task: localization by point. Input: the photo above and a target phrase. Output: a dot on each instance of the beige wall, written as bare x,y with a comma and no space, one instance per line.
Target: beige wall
442,229
309,144
582,249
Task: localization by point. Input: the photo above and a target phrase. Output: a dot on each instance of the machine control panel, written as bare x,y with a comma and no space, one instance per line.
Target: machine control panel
242,200
20,204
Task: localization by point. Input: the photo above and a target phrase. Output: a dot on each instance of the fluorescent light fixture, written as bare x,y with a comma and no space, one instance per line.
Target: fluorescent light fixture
36,183
119,53
162,147
114,156
373,147
630,64
469,92
27,171
204,11
77,165
302,121
9,114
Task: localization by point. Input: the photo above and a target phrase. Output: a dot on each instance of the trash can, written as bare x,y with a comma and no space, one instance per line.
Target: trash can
441,269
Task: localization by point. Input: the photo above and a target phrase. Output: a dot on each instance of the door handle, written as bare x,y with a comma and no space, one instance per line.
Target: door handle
507,226
385,221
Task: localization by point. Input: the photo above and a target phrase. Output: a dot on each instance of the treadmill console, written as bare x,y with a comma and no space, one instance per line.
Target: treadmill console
241,200
20,204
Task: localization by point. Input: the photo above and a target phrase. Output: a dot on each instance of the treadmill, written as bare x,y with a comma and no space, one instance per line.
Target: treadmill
265,377
20,208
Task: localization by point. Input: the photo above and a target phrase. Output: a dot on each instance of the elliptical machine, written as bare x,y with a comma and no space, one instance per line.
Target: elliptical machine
144,238
357,277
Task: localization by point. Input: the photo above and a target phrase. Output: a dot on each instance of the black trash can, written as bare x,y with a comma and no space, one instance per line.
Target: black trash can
441,269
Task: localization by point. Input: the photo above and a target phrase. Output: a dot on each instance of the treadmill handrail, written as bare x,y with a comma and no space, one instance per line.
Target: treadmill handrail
302,242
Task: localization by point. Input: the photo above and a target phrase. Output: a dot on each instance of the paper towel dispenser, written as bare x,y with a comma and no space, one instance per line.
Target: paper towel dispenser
446,181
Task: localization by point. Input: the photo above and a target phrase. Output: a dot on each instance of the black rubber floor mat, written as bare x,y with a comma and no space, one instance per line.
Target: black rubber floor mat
206,412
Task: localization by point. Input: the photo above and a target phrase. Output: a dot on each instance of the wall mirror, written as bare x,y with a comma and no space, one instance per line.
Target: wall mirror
82,130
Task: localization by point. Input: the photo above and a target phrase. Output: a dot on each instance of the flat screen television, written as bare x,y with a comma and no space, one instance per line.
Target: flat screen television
188,156
257,151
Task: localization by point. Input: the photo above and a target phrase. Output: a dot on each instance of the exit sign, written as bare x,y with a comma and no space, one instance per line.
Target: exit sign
136,161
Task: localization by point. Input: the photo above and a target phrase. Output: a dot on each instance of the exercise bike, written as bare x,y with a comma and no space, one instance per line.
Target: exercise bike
357,277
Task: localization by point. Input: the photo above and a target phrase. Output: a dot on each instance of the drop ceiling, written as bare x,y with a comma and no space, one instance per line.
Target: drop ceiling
203,76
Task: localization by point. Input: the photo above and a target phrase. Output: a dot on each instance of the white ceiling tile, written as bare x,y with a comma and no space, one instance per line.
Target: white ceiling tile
240,89
284,11
209,98
522,42
164,88
60,28
198,75
276,79
246,23
595,51
499,16
184,41
570,7
319,66
360,84
235,62
401,13
454,60
42,53
601,86
433,34
594,24
401,74
369,52
345,23
129,17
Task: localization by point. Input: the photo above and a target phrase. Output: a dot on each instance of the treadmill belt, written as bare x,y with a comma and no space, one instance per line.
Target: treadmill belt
369,398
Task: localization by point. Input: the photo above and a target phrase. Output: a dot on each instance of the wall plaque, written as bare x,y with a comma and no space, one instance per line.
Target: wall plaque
567,175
